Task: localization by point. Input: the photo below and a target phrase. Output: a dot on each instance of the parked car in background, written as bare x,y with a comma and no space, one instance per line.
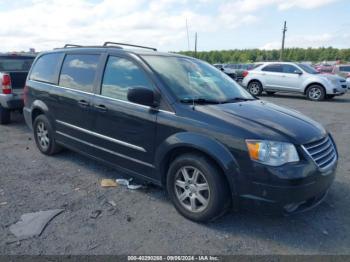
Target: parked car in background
342,70
179,123
13,73
293,77
324,68
219,66
235,71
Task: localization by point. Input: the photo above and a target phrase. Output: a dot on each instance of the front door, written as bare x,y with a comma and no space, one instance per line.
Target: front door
291,80
125,131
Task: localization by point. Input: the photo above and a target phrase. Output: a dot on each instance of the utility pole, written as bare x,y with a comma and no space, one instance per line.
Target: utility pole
283,39
195,46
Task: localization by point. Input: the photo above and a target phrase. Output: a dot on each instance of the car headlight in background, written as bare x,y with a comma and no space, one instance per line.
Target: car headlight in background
272,153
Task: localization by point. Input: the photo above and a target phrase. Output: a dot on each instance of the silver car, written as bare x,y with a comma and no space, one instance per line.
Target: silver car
293,78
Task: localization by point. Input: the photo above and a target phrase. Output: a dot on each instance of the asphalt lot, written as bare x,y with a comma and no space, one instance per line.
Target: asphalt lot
144,221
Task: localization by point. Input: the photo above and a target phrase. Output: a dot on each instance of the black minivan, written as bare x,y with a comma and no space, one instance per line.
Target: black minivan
178,122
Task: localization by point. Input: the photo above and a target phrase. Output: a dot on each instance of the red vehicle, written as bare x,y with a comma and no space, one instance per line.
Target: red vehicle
324,68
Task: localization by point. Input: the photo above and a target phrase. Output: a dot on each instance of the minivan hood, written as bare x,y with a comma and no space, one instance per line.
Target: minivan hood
296,127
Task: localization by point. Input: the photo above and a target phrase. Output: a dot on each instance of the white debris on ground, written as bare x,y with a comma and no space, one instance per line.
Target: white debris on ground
33,224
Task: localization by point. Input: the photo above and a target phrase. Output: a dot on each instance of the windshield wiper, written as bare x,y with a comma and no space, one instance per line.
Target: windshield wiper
199,101
237,99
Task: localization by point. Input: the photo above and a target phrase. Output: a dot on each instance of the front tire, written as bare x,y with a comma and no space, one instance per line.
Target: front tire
255,88
44,136
5,116
316,93
197,188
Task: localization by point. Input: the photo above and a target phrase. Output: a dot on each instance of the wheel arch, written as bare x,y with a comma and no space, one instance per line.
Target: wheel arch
187,142
314,83
256,80
38,108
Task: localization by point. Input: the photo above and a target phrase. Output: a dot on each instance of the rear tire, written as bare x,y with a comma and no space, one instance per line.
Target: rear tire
255,88
5,116
44,136
315,93
197,188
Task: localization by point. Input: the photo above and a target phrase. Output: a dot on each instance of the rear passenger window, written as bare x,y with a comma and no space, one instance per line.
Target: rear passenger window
273,68
121,74
79,71
46,67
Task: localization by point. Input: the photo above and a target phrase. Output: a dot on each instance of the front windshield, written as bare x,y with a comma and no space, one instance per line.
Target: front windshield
193,79
308,69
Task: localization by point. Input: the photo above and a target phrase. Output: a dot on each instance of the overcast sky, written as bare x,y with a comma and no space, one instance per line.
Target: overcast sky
46,24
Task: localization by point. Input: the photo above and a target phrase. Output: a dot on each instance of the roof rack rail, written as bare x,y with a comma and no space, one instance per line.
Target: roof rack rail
138,46
71,45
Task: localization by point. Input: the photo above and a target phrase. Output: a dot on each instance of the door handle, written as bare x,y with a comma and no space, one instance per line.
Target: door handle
101,108
83,103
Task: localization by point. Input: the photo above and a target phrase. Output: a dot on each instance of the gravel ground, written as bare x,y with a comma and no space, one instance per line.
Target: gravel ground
144,221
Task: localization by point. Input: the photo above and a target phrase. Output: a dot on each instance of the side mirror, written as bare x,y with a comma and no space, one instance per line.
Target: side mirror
143,96
298,72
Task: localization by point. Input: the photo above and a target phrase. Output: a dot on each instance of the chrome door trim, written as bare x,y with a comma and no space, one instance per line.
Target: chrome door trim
105,149
132,103
93,94
103,136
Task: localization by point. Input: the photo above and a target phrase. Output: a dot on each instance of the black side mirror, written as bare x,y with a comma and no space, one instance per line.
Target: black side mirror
298,72
143,96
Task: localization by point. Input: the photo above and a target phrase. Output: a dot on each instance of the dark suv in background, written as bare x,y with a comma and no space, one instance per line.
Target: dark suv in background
13,73
180,123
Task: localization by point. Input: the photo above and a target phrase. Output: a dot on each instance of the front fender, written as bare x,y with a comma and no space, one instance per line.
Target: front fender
209,146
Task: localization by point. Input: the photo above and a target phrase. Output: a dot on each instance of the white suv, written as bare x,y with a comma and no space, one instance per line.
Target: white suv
293,77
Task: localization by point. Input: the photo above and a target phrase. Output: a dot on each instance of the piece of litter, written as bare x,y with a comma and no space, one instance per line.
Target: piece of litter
108,183
95,214
33,224
122,181
325,232
3,203
112,203
76,189
127,183
134,187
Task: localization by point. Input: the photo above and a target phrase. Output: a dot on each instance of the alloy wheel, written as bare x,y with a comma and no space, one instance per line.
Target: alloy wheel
254,89
43,136
192,189
315,93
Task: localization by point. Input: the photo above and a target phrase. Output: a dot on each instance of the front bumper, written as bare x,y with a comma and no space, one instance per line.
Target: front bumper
305,190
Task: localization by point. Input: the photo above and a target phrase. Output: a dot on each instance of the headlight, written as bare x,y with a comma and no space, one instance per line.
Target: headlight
272,153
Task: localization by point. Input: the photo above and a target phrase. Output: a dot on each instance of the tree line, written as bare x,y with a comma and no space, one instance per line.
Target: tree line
256,55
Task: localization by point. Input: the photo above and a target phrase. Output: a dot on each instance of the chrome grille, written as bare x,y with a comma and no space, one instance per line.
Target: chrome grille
322,152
